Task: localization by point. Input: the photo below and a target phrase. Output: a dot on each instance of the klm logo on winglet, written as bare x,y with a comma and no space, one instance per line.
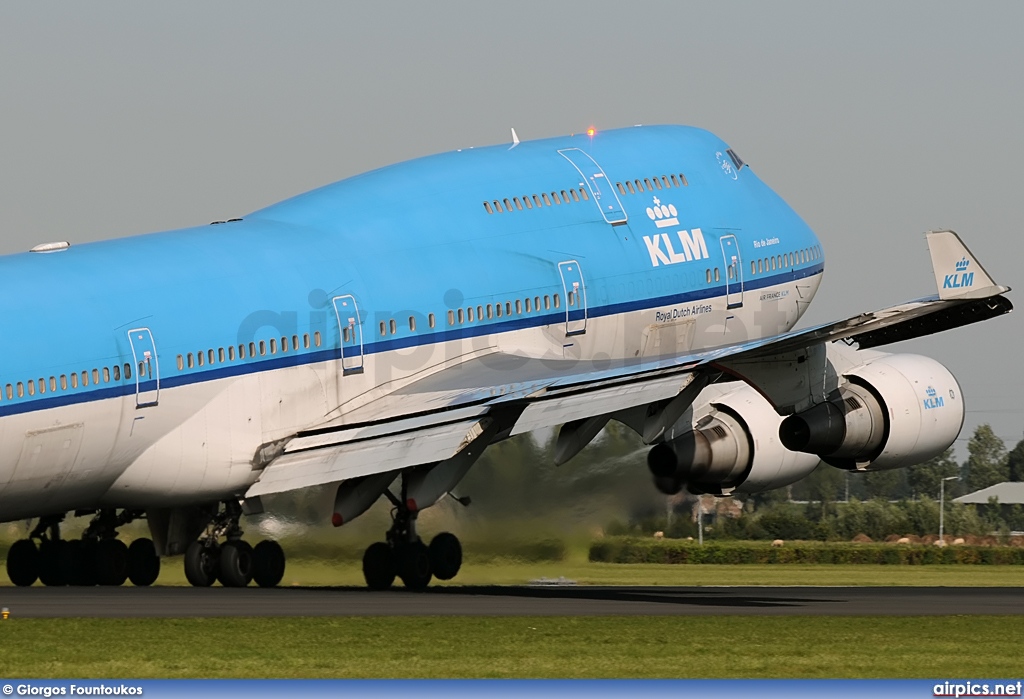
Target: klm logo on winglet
661,246
933,400
961,279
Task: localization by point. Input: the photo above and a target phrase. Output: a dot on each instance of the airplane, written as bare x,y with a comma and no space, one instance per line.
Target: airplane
377,334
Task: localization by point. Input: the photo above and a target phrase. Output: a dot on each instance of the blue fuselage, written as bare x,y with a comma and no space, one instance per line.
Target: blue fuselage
420,247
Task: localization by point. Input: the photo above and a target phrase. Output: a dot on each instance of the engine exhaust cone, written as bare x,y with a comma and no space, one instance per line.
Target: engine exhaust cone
794,433
661,460
818,430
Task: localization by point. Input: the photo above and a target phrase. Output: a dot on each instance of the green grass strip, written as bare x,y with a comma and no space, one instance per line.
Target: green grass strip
495,647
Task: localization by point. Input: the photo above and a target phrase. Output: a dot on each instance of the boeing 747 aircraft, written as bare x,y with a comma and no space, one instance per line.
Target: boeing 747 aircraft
379,333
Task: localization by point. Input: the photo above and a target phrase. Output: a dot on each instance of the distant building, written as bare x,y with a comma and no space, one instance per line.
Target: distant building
1005,493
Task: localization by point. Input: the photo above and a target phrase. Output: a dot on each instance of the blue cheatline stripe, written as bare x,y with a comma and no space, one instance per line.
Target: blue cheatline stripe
377,347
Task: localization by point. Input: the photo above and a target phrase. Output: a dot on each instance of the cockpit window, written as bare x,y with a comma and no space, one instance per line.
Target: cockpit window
736,160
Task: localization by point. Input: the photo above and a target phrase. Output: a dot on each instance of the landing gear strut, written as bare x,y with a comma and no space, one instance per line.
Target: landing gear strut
404,554
98,558
234,563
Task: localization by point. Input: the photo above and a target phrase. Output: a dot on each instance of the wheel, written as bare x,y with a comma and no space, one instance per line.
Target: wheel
77,562
201,562
267,563
111,562
414,565
379,566
50,570
23,562
235,564
445,556
143,563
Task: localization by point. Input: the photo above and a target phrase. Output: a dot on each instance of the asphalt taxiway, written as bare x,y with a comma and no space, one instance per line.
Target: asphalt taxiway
169,602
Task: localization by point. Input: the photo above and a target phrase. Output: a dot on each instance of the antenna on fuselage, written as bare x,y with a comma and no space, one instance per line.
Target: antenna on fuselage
515,138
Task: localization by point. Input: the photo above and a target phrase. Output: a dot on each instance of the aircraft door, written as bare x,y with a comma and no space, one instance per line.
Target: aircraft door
146,365
733,272
602,192
350,332
575,297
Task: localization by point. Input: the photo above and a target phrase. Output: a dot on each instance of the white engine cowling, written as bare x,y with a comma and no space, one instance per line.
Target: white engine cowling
893,411
727,442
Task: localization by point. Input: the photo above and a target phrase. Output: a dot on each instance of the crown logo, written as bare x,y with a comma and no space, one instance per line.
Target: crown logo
962,264
930,392
663,215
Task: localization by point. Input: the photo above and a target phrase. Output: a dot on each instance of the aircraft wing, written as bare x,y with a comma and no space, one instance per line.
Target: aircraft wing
539,393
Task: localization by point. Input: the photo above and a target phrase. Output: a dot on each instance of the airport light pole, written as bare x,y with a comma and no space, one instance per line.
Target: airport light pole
700,520
942,502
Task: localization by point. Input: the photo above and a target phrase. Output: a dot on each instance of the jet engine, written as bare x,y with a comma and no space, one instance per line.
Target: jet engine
893,411
728,441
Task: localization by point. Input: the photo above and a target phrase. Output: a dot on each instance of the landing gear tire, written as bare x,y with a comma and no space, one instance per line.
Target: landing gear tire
379,566
23,562
414,565
268,563
111,562
77,561
235,564
50,570
201,564
143,563
445,556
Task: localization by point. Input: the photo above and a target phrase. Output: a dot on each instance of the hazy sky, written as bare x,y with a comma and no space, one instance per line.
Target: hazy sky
876,121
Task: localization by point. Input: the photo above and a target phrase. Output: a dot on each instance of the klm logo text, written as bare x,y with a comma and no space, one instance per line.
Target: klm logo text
661,247
961,278
933,399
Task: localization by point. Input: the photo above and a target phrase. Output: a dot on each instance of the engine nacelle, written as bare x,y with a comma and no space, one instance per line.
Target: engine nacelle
727,442
893,411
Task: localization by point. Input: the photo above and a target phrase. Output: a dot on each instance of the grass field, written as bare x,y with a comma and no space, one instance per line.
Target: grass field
747,647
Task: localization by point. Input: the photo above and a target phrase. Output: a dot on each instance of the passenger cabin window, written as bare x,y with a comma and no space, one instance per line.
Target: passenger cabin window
412,324
430,319
487,207
393,326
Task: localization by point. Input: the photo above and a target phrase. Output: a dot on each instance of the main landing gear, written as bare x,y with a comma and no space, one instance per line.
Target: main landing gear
98,558
235,563
404,555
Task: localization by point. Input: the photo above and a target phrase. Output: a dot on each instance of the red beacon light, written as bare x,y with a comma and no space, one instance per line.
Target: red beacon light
591,131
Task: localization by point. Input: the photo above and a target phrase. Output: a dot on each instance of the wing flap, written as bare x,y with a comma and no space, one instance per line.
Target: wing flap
330,464
558,408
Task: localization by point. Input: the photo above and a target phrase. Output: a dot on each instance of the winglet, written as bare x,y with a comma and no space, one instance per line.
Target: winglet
958,274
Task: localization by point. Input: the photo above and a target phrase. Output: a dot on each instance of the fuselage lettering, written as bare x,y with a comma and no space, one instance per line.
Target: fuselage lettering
692,247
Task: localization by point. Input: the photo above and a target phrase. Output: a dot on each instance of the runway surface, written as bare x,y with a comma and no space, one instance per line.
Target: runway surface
129,601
